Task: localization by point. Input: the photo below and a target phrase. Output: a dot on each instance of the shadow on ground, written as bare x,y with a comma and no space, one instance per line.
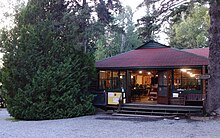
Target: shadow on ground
133,119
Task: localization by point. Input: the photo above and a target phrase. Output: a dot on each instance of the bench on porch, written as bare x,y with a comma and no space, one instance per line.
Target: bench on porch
193,99
186,99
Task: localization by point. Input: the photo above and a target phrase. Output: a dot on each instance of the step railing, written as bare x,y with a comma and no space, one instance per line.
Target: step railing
120,102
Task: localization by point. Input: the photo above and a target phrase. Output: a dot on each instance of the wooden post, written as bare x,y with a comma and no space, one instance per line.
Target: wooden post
128,87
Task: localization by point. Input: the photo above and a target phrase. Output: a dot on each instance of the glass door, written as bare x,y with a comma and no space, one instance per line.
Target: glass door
163,87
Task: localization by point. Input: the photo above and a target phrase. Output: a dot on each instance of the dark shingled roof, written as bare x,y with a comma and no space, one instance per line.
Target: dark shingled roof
147,56
152,44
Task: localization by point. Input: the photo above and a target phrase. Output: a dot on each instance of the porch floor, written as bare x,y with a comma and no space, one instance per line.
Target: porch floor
145,99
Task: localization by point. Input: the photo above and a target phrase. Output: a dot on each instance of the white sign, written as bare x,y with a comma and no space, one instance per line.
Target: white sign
110,94
115,100
204,76
175,94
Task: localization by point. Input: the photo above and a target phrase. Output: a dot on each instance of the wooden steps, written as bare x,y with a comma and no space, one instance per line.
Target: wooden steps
137,115
157,110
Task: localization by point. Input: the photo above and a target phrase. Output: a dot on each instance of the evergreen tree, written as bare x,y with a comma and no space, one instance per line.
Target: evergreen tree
192,31
159,13
46,73
120,37
131,40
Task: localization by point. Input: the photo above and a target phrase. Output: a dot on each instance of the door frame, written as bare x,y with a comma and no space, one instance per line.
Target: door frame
164,79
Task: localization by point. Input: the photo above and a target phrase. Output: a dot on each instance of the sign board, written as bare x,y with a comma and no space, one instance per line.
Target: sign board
175,95
113,98
204,76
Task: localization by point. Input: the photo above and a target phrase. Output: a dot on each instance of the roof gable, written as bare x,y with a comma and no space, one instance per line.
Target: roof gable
152,44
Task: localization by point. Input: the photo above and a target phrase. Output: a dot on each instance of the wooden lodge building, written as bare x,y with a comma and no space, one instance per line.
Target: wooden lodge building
154,76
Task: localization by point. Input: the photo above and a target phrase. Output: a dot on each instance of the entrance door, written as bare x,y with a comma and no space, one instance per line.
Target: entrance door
163,87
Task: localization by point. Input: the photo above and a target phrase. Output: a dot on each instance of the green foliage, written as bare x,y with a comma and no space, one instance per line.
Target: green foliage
121,37
131,35
191,32
149,25
59,91
160,13
46,74
148,28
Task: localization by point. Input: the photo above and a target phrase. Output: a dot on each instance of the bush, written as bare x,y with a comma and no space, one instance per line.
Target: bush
59,91
45,74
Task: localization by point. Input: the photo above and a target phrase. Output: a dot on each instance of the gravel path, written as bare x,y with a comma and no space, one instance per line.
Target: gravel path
106,126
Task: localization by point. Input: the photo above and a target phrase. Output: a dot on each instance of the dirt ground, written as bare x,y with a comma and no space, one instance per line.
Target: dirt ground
104,125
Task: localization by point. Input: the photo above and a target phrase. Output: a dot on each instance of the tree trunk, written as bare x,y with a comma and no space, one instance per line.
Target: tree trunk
213,95
122,47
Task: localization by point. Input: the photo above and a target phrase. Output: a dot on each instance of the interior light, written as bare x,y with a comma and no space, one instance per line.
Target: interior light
140,72
149,73
184,70
132,77
192,75
121,77
189,73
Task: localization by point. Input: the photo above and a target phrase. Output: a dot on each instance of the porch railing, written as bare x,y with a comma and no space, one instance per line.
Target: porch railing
100,98
187,98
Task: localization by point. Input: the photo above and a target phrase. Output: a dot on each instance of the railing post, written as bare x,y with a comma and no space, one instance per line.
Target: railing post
106,97
204,92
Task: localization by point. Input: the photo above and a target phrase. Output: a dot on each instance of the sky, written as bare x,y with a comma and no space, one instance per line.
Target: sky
138,13
4,6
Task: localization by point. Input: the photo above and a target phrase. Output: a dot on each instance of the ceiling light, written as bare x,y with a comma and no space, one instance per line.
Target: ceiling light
184,70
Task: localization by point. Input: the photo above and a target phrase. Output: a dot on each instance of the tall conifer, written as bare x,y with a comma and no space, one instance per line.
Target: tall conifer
46,75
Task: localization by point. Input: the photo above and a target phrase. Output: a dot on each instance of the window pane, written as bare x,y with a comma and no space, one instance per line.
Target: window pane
104,79
187,79
122,79
111,80
115,81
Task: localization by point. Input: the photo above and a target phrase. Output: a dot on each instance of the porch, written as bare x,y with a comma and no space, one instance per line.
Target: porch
141,109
